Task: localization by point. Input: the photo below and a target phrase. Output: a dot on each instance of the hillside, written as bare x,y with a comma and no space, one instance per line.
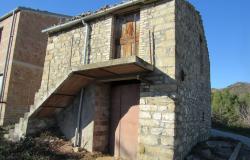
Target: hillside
238,88
231,107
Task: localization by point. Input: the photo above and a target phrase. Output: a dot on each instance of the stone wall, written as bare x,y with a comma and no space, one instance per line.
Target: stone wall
94,121
193,77
101,119
67,119
101,40
66,49
157,106
174,107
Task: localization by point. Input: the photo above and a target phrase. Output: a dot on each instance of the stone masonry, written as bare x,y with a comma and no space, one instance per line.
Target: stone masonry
174,108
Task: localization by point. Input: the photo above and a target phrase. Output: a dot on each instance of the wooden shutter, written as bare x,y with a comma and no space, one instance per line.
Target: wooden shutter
127,33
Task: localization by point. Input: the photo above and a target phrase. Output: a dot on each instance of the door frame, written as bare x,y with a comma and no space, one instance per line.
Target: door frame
119,83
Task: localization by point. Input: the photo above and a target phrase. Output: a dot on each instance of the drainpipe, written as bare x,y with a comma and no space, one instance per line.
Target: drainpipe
6,65
86,42
85,56
78,127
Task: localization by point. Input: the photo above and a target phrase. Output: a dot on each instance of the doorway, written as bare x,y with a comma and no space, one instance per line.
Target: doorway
124,120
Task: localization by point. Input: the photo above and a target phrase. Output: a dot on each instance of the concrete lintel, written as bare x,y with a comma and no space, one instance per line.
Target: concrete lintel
116,62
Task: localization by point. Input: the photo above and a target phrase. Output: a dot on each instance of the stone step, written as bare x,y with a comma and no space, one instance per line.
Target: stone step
6,136
17,128
31,108
26,115
20,128
15,137
17,132
24,127
21,122
11,134
37,96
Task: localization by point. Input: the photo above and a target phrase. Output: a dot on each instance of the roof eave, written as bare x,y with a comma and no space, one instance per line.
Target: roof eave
7,15
92,16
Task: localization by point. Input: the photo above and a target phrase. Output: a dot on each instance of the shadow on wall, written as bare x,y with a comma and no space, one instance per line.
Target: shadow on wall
68,119
158,118
162,93
109,109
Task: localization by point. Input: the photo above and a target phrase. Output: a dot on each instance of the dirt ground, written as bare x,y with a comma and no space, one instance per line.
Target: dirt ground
49,145
218,148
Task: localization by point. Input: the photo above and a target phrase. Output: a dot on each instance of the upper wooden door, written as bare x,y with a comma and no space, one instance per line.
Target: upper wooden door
127,35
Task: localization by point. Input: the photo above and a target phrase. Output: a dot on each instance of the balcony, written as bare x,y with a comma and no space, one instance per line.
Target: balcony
127,68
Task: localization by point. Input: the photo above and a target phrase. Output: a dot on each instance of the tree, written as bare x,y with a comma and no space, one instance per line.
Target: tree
225,107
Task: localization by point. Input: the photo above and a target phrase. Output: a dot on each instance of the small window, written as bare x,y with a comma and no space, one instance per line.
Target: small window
201,40
201,63
201,55
1,82
182,75
1,30
203,116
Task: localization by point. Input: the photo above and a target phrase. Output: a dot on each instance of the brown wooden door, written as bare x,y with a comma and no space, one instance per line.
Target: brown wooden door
127,35
124,121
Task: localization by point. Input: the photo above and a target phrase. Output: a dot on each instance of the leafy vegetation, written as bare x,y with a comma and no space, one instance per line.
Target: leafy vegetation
231,107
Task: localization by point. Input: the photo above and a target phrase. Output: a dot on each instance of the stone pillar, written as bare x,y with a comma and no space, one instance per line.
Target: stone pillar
157,105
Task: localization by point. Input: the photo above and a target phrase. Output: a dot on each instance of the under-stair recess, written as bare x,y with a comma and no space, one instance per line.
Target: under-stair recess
61,96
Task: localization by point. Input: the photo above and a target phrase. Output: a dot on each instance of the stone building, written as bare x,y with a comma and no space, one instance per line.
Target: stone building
132,80
22,54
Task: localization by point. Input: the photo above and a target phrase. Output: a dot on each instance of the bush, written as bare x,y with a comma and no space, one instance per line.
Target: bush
230,109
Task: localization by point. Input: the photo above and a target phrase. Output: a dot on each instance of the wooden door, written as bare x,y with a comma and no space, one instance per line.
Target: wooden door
124,121
127,35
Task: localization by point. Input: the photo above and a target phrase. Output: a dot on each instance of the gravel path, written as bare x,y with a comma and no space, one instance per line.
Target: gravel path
243,139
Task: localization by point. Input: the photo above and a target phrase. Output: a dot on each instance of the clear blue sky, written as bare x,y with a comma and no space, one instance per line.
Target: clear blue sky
227,26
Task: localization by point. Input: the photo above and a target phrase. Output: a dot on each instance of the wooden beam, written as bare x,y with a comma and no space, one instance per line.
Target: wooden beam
135,76
236,151
65,95
52,107
83,75
102,69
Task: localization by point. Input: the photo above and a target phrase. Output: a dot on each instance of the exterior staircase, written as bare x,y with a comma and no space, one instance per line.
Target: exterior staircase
71,84
21,128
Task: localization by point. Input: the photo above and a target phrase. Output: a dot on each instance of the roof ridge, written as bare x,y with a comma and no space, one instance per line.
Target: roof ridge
20,8
42,11
107,6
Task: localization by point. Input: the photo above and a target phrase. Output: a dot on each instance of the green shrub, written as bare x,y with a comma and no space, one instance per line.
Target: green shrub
230,109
